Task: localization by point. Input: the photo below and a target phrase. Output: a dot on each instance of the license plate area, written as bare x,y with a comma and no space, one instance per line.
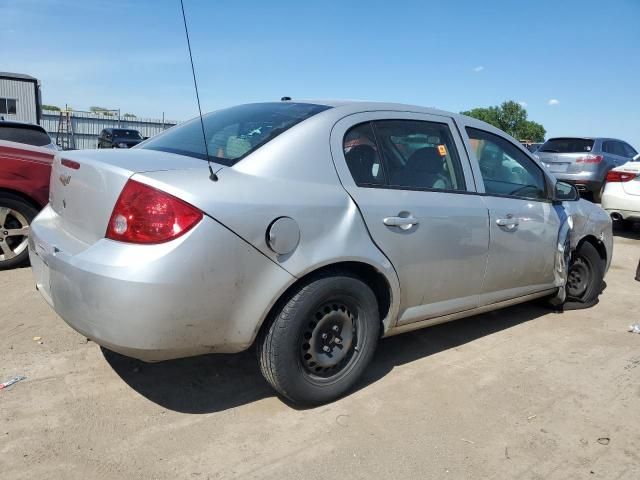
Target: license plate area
557,167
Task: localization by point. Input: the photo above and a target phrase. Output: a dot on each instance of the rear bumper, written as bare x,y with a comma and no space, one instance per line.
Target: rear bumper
583,181
619,203
207,291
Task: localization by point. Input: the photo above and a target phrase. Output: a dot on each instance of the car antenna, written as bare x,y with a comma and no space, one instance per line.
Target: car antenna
212,175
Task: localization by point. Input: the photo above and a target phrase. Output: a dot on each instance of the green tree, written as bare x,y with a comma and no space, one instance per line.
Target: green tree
129,115
101,110
51,107
510,117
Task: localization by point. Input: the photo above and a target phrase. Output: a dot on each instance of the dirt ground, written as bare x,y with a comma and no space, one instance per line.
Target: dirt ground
520,393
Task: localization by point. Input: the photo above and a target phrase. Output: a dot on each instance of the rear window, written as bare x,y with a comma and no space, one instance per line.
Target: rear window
567,145
232,133
27,134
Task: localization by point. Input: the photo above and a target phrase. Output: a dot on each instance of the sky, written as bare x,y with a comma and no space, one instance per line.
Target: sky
574,65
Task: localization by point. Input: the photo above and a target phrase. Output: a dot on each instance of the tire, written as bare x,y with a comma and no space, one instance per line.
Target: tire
585,279
299,350
15,216
596,195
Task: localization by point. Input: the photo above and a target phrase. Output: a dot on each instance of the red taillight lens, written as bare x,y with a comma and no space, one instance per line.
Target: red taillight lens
614,176
144,214
590,159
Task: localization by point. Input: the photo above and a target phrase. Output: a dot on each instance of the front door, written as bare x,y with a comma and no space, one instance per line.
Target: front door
407,172
524,224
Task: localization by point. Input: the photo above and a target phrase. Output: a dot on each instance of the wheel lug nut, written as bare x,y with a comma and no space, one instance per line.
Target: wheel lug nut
335,328
324,336
338,340
326,349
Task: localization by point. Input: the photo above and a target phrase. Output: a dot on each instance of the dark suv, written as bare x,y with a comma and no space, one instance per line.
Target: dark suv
119,138
584,162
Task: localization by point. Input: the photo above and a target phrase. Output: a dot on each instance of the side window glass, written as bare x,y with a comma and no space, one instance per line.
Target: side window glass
419,155
362,156
630,152
618,149
606,147
505,169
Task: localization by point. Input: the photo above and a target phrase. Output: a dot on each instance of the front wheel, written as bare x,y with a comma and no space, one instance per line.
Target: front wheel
320,340
585,278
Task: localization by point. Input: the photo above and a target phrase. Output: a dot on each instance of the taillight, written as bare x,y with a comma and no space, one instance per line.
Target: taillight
144,214
614,176
590,159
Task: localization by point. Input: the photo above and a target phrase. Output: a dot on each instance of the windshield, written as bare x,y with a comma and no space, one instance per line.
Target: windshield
127,134
232,133
30,135
567,145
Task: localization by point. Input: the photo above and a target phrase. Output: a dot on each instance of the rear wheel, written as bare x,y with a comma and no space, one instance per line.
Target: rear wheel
320,341
585,278
15,217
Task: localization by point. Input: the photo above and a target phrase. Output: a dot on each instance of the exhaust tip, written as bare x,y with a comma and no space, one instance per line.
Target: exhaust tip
616,217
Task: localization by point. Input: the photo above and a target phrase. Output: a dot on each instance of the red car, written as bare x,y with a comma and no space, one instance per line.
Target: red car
24,190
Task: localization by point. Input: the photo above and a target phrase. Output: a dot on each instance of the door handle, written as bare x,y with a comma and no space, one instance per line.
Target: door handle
404,223
509,223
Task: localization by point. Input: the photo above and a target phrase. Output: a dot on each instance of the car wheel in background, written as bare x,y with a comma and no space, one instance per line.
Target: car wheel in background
320,339
585,278
596,195
15,217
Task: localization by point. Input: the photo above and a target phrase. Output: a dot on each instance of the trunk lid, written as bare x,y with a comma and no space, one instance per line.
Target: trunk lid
85,184
632,187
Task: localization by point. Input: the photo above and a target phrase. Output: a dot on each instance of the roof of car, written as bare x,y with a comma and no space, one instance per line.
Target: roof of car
348,107
372,105
17,123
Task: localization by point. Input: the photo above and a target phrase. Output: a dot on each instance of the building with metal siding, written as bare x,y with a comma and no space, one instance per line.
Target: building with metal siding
88,125
19,97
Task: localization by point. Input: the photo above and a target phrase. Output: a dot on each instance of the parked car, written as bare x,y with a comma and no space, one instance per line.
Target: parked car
24,190
299,229
584,162
27,133
119,138
621,197
532,147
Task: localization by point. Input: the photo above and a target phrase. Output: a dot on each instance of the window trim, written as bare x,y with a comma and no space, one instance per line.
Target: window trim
547,197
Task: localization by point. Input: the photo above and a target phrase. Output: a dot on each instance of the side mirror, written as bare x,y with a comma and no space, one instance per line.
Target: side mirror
565,192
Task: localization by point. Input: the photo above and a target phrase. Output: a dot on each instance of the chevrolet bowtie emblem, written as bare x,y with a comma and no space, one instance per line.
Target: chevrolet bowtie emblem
65,179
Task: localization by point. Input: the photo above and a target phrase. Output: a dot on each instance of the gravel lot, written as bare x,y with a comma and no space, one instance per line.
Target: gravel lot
520,393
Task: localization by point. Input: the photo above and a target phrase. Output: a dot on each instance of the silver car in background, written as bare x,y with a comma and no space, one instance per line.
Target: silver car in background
584,162
310,229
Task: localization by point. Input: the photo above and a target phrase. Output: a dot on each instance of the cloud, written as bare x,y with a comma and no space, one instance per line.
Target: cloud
479,68
554,101
522,103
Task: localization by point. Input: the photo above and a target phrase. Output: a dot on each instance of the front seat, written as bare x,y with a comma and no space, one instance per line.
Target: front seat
361,160
424,169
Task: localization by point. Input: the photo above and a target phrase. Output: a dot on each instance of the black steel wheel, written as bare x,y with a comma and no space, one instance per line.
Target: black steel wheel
320,340
585,277
15,217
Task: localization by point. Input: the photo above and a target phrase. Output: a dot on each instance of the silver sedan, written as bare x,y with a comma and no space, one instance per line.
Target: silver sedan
310,229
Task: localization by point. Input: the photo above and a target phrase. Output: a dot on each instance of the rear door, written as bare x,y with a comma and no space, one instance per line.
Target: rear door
410,178
524,224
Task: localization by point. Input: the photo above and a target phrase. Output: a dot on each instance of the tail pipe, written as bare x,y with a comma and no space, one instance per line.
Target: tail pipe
616,217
